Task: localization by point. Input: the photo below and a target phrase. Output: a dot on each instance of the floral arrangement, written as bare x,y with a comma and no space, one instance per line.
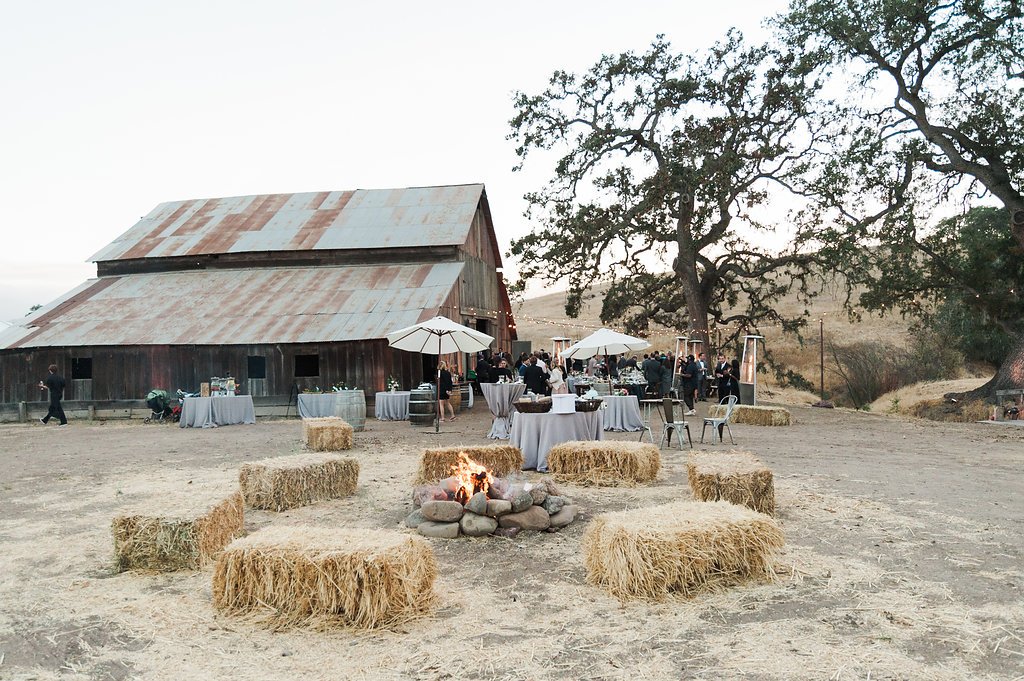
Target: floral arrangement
632,377
338,387
315,390
393,384
621,392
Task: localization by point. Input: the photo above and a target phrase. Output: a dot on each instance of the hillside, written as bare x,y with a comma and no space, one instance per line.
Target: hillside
540,318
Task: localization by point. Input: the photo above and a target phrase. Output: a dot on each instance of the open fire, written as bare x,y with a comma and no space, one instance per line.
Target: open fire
471,478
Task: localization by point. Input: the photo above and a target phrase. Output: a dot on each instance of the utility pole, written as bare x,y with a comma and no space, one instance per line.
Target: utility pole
821,342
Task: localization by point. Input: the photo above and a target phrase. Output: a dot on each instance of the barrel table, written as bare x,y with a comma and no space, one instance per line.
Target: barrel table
422,406
350,405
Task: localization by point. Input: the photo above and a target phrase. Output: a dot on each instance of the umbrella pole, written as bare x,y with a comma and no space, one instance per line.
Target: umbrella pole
437,417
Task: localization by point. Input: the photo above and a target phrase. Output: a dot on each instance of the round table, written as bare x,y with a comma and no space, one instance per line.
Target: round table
392,406
622,413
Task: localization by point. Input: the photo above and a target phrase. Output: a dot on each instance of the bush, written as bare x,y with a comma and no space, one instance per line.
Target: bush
869,370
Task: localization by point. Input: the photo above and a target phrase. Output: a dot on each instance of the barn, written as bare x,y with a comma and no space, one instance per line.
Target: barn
283,292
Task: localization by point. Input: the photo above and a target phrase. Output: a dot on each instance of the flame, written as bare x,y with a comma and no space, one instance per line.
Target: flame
471,477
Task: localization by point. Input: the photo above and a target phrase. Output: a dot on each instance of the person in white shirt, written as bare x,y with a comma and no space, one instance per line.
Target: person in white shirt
557,382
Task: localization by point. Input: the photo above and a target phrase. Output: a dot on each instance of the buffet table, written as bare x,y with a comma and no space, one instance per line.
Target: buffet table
210,412
622,413
500,397
317,405
392,406
536,434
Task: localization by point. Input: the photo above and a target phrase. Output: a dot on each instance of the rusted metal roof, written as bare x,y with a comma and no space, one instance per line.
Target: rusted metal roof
359,219
233,307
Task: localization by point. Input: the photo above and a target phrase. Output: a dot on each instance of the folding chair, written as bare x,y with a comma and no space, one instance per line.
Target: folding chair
671,424
719,423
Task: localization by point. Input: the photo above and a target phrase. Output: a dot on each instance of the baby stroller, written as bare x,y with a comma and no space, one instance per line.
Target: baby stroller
159,404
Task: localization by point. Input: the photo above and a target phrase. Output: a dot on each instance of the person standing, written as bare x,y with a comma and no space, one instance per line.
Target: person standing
54,383
652,373
702,377
444,392
535,377
689,376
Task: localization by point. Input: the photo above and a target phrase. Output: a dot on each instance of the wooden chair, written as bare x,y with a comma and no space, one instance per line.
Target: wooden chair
668,405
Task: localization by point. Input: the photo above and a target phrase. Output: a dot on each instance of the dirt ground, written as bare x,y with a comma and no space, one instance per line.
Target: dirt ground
903,561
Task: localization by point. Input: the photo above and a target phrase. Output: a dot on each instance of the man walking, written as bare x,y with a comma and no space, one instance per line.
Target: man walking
55,384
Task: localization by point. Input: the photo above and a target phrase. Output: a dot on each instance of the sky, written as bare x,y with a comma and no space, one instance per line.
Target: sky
110,108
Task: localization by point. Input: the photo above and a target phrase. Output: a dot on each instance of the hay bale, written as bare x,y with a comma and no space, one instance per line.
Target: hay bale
736,477
177,534
286,576
291,481
754,416
500,460
604,463
327,434
679,549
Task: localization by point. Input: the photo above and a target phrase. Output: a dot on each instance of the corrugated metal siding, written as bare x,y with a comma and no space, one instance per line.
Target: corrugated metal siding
360,219
237,307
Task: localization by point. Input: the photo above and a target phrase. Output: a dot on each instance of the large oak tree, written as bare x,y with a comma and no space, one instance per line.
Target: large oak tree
662,163
938,115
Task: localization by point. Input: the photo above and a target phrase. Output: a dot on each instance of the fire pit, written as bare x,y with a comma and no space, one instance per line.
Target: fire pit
474,503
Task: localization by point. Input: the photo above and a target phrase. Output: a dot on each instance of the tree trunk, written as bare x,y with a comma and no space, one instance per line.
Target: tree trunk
1009,375
689,282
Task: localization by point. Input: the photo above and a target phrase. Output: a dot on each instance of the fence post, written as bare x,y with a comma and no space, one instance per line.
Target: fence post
23,412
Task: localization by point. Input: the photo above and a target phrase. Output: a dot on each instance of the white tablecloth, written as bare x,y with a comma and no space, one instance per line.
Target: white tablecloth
210,412
536,434
392,406
317,405
500,397
622,413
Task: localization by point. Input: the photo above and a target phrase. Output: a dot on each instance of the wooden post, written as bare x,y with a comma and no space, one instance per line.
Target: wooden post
821,342
23,412
92,413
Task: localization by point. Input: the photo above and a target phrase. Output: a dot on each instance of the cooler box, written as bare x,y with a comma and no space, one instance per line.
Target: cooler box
563,404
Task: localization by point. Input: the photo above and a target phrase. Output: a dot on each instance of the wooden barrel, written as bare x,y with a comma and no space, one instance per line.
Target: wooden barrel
422,407
456,397
350,405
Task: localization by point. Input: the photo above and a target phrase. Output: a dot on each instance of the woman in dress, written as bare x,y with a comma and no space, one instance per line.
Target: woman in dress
444,392
557,383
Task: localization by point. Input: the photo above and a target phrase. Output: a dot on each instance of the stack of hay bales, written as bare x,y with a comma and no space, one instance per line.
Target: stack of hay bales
736,477
754,416
500,460
679,549
311,576
604,463
327,434
178,533
291,481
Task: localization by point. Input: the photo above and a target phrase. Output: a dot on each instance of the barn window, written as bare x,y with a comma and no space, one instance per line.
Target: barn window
81,368
307,365
257,367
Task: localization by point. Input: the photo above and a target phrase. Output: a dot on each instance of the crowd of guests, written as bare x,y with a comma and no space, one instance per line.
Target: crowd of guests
694,379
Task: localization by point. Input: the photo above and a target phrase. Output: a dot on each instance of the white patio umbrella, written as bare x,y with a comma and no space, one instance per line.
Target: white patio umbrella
604,342
439,336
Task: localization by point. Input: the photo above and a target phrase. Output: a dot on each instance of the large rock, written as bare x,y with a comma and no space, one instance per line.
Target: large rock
477,503
442,511
521,501
415,519
477,525
563,517
553,504
498,488
429,528
538,493
497,507
533,518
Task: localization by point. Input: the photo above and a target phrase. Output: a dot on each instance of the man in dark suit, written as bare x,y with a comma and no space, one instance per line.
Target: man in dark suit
535,378
54,384
652,372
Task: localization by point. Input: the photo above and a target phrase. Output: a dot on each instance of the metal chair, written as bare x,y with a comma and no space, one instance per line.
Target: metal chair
671,424
722,421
